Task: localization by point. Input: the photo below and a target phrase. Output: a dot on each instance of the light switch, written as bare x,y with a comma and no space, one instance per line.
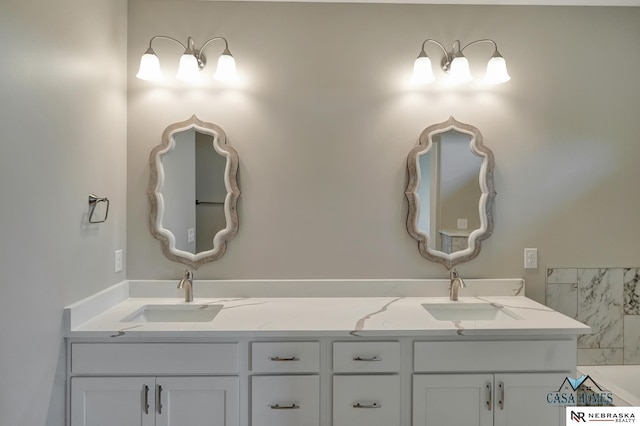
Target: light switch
191,235
118,260
463,223
530,258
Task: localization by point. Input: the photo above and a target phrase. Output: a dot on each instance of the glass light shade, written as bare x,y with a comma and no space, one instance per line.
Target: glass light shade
226,69
188,69
497,71
422,71
149,67
459,72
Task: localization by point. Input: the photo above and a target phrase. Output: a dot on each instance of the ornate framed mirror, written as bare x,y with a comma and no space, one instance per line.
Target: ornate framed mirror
193,192
450,192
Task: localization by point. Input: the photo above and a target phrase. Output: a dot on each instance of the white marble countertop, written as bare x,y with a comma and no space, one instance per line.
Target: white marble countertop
392,308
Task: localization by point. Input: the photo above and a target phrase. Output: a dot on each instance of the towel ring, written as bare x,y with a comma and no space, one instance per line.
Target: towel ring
93,201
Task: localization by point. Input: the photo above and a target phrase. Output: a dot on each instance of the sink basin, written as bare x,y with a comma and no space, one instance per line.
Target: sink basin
174,313
469,312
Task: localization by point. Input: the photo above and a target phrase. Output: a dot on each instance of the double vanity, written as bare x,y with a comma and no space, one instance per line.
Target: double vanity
317,353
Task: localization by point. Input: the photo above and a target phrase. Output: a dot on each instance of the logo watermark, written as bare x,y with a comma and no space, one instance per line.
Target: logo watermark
583,391
579,415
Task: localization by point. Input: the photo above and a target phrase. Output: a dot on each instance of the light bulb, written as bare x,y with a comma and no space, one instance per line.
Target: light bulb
188,69
459,72
422,71
497,70
226,69
149,67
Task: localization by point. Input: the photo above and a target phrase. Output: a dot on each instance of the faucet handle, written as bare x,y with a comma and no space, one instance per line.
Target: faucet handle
188,276
455,275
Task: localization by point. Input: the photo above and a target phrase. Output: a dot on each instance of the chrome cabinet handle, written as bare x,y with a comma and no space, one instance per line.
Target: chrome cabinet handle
159,398
489,396
501,401
367,358
367,405
293,406
145,399
288,358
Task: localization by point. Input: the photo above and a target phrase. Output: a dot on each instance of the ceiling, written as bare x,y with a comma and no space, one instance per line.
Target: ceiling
482,2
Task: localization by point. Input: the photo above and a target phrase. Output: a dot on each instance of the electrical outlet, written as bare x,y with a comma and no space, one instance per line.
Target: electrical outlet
530,258
463,223
191,235
118,260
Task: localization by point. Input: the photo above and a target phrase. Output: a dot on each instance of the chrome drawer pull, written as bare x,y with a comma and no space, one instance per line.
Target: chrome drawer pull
279,358
367,358
489,397
284,407
501,402
159,399
145,400
367,405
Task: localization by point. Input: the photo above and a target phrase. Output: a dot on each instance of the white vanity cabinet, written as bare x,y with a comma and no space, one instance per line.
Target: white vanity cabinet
153,384
330,381
489,383
154,401
485,399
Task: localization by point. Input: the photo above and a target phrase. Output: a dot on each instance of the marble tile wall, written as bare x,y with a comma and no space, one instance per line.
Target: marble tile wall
606,299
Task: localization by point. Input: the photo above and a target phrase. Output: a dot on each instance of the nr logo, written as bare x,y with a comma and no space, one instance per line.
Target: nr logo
577,416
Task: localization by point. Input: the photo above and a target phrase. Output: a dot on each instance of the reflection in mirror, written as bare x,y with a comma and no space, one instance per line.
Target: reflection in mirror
450,192
193,192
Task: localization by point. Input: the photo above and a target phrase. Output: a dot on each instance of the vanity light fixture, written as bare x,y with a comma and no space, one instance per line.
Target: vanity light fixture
192,62
456,65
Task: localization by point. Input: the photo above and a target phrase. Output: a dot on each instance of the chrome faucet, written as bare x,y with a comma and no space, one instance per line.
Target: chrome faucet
456,283
187,283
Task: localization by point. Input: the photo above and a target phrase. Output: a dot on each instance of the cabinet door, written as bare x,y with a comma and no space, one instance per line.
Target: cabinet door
521,399
285,401
196,401
366,400
108,401
452,399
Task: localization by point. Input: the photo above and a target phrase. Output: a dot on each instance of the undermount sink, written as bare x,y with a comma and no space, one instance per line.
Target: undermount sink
174,313
468,312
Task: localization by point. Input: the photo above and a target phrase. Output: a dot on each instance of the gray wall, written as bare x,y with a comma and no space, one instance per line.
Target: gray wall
63,120
325,120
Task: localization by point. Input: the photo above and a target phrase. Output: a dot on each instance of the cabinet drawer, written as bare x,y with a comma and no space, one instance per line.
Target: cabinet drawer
374,357
285,357
154,358
512,355
285,401
366,400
